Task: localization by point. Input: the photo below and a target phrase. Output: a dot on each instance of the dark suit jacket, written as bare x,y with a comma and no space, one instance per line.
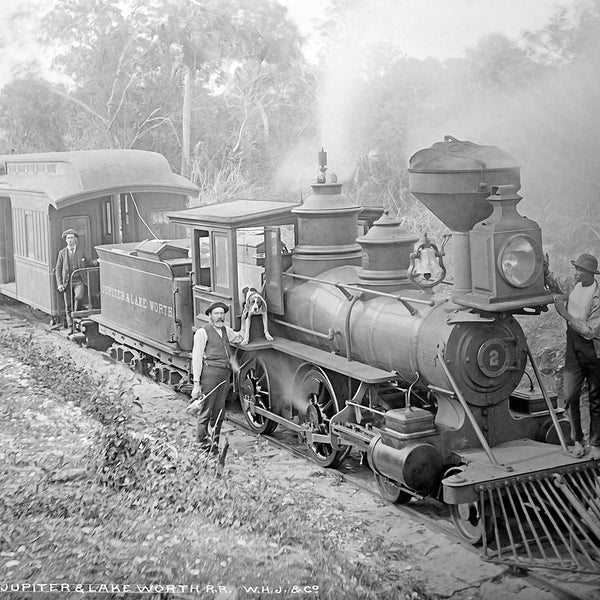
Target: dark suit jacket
62,270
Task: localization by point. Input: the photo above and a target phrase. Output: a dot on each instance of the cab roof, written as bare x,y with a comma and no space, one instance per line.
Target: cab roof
65,178
235,214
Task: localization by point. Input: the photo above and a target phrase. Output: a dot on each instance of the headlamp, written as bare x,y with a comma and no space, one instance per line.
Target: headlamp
518,261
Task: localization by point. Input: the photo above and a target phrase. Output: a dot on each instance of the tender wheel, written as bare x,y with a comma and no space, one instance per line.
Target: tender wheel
322,405
390,491
254,390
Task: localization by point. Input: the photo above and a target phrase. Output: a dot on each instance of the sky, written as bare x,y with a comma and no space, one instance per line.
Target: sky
419,29
439,28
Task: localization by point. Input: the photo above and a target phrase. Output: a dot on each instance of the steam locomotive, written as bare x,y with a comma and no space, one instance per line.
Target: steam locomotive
374,351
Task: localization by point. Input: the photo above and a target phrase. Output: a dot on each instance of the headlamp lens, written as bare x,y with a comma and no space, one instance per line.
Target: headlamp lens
518,262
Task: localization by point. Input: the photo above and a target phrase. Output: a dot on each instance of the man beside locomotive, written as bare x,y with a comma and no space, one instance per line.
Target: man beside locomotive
70,258
577,300
211,368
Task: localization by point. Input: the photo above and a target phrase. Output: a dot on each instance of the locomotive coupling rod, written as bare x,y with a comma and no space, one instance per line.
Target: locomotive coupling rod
536,371
463,402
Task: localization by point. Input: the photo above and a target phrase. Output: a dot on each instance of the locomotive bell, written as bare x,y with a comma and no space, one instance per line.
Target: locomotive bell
386,249
426,264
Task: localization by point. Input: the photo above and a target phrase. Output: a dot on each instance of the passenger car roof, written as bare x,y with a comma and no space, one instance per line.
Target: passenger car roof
65,178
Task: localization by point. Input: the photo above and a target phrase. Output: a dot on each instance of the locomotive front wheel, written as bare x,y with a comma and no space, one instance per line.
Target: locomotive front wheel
322,402
468,522
254,390
390,491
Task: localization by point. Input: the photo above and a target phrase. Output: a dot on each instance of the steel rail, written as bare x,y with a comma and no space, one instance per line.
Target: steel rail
419,515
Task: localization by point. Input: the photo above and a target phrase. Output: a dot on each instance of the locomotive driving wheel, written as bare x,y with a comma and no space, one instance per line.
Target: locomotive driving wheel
320,395
254,390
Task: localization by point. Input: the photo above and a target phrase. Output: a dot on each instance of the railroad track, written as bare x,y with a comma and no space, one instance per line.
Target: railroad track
428,512
431,513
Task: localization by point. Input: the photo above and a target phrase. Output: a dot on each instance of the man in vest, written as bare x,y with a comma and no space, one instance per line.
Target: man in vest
211,368
69,259
578,303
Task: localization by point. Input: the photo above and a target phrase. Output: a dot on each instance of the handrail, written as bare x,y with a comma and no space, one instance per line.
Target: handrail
303,329
367,408
175,318
86,271
405,300
468,412
553,416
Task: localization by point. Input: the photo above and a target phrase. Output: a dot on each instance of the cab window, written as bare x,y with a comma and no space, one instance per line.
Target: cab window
251,253
203,258
221,261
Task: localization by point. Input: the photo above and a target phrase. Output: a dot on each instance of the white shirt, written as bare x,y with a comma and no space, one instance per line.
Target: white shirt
200,340
579,300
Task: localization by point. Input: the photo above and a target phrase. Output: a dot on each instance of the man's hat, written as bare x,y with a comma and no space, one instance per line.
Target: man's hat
216,305
587,262
66,232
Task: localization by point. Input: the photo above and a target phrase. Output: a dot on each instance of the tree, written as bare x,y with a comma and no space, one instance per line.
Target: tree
173,76
31,120
109,54
240,53
497,61
571,33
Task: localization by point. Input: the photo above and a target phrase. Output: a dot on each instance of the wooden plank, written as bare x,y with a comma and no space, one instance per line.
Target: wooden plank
327,360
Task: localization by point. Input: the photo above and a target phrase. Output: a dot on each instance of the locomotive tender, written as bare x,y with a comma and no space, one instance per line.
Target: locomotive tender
371,355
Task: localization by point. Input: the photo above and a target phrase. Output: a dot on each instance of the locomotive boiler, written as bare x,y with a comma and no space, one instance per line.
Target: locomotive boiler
375,351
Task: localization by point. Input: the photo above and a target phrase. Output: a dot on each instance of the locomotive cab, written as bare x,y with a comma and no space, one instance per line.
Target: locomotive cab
225,248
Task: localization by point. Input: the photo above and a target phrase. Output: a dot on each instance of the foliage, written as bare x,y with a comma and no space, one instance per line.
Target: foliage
40,123
110,57
151,509
148,75
134,74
